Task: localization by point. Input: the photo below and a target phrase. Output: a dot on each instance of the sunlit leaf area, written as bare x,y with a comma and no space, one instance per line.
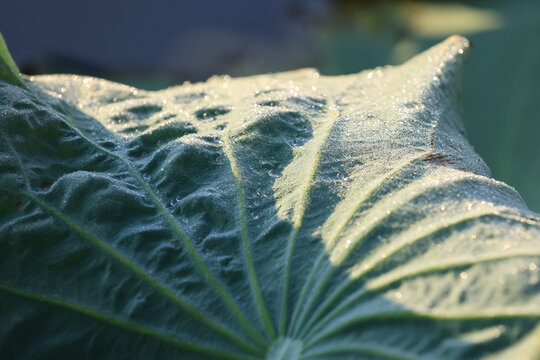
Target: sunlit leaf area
282,181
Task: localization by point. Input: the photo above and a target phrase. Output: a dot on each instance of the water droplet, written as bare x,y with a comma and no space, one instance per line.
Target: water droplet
463,275
173,202
178,198
369,75
533,267
254,216
273,173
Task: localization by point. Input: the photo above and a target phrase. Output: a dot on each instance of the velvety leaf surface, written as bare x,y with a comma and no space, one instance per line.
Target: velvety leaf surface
285,216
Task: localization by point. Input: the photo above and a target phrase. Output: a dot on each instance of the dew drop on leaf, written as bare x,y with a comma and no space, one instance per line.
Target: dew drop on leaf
273,173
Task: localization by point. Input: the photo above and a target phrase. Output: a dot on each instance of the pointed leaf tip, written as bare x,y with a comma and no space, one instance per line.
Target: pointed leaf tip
8,70
440,68
456,42
446,55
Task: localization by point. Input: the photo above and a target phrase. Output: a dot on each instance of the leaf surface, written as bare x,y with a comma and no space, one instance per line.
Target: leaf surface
283,216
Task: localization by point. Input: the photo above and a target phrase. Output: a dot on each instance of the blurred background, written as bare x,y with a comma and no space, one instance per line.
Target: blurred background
156,44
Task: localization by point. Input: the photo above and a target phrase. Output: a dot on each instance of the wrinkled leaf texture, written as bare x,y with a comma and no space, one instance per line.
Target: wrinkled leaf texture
283,216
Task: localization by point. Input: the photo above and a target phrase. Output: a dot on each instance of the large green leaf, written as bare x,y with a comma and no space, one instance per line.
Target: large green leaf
279,216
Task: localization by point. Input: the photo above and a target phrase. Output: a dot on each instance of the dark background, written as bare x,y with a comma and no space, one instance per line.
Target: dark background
161,43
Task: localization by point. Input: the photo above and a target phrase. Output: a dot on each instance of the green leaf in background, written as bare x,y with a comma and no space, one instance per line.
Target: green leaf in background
8,69
285,216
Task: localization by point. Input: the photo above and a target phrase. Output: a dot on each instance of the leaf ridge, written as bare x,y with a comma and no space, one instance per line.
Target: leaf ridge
254,284
207,274
377,284
369,267
123,324
497,314
360,236
359,349
332,115
372,188
135,268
